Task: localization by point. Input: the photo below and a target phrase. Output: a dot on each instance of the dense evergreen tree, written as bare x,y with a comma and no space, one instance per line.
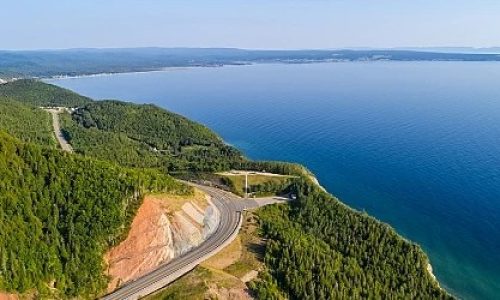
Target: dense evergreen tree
60,212
320,249
29,124
37,93
146,136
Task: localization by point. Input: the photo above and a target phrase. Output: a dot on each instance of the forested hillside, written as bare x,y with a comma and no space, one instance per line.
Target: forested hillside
37,93
320,249
129,134
30,124
60,212
146,136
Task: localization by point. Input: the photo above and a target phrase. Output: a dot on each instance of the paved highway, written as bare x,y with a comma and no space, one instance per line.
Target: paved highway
57,128
230,207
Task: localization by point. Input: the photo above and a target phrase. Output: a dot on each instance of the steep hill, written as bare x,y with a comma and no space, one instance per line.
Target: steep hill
27,123
321,249
146,136
37,93
130,134
60,212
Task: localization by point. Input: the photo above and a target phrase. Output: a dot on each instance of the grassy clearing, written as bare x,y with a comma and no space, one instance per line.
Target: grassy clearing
252,251
222,273
274,183
202,283
190,286
175,202
227,257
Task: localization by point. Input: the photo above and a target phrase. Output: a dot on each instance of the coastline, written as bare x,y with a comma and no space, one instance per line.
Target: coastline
236,63
314,180
311,176
429,269
431,273
157,70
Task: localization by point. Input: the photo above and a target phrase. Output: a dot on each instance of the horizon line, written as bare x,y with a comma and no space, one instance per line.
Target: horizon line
410,48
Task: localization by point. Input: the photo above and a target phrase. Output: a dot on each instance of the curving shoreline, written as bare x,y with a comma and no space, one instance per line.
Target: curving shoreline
314,180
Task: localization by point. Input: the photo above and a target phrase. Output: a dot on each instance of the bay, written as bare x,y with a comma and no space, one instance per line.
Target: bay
414,144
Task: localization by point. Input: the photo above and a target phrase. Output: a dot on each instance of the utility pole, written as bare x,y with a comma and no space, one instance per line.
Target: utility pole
246,185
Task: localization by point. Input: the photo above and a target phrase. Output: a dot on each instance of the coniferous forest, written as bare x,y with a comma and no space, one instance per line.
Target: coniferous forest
60,212
36,93
28,123
146,136
321,249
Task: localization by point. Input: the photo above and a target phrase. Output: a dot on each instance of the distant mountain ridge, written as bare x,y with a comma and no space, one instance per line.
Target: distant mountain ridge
88,61
464,50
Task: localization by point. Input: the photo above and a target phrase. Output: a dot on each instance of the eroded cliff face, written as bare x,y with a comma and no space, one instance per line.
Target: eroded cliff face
6,296
163,228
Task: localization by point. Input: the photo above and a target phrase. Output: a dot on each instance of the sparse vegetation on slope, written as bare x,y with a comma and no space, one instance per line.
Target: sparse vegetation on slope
222,276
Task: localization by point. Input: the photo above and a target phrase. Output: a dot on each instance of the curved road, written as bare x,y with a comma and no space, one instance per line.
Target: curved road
230,208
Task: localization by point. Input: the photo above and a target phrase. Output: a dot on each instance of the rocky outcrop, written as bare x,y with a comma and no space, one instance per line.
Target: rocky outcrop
163,228
191,226
6,296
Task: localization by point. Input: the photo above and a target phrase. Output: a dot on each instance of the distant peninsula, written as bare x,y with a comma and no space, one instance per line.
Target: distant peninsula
90,61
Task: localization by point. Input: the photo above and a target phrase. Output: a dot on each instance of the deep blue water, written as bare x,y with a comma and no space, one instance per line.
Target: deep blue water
415,144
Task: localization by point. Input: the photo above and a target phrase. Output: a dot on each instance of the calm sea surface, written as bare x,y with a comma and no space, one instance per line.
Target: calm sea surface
415,144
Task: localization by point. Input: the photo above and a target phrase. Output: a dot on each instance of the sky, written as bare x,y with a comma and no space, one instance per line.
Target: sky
252,24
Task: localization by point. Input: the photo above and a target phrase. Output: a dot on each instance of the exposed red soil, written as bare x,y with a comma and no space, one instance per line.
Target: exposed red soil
147,245
5,296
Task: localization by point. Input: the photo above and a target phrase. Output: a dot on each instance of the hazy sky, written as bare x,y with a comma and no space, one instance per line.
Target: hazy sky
35,24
